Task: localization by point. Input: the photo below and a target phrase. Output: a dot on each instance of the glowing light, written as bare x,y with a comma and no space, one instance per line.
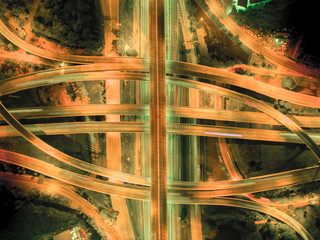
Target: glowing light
52,188
25,110
250,103
224,134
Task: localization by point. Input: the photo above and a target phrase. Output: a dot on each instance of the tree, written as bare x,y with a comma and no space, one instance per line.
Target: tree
254,236
288,83
132,52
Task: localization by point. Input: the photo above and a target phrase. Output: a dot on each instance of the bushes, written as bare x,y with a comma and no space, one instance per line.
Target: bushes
266,18
288,83
16,7
71,23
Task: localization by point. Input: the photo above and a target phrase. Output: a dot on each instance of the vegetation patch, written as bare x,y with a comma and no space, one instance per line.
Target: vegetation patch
71,23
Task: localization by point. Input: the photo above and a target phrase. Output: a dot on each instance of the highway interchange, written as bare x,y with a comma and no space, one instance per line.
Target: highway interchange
138,69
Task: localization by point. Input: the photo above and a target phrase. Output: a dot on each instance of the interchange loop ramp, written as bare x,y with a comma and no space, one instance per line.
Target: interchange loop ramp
137,70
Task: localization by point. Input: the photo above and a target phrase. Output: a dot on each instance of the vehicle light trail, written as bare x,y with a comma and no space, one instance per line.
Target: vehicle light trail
158,119
177,189
142,110
230,79
60,155
291,125
172,128
141,193
103,71
287,122
224,134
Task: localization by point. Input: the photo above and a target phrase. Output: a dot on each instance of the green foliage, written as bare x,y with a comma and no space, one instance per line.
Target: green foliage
70,23
288,83
266,18
16,7
12,68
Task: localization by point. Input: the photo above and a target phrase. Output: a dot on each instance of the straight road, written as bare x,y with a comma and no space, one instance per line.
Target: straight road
172,128
291,125
193,148
158,131
142,110
102,71
110,9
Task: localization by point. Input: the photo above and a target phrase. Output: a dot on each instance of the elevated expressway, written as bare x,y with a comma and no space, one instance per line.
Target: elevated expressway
142,110
282,179
15,84
134,69
175,197
139,187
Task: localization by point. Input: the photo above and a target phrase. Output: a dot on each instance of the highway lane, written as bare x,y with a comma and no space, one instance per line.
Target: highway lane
289,123
193,152
178,26
158,119
112,161
172,128
193,185
284,120
60,155
246,82
15,85
178,191
188,83
187,34
142,146
21,55
6,31
186,197
142,110
111,71
249,40
223,152
174,94
139,66
88,59
52,186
